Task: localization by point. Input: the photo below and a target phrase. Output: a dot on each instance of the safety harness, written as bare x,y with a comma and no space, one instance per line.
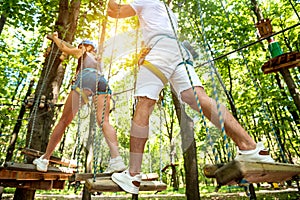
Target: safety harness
150,66
142,62
83,95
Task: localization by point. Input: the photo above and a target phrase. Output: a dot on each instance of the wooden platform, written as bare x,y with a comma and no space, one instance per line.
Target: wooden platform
36,154
103,183
286,60
107,185
21,175
255,172
82,177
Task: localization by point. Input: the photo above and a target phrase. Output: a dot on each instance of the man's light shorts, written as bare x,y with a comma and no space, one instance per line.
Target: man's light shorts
165,55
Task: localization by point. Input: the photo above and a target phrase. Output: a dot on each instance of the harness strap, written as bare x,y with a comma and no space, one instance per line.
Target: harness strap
85,98
189,62
142,62
155,71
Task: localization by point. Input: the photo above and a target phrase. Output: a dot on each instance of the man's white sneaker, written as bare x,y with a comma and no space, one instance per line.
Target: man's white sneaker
41,164
259,154
127,182
115,165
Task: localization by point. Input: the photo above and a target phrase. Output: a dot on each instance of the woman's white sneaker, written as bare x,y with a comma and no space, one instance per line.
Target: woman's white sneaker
115,165
41,164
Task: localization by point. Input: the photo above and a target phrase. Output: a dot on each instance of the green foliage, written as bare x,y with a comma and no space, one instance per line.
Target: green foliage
218,30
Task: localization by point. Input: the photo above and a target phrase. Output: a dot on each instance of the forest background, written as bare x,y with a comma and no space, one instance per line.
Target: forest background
231,54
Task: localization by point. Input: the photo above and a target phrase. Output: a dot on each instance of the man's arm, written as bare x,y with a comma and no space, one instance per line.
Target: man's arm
116,10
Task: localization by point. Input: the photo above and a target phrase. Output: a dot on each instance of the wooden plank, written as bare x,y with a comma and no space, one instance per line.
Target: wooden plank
32,168
278,67
286,60
107,185
34,185
255,172
209,170
53,159
58,184
85,176
26,175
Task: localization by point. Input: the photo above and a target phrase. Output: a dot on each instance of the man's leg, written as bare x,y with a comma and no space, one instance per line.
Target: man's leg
233,129
248,150
139,133
129,180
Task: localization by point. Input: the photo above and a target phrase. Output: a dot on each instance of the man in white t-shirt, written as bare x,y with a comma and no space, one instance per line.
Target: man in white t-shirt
174,63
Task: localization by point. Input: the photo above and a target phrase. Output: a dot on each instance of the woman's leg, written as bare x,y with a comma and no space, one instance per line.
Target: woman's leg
103,108
70,109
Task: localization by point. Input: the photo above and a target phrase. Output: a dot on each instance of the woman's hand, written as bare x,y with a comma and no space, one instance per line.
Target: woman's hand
55,34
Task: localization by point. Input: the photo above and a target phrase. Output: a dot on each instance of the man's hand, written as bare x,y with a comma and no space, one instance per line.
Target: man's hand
116,10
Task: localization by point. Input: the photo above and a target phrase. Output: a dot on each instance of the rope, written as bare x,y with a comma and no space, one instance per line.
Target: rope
294,9
248,45
98,136
215,93
160,139
78,138
194,91
36,105
255,84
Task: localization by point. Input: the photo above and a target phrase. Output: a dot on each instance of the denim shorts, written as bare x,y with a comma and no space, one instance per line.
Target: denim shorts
88,76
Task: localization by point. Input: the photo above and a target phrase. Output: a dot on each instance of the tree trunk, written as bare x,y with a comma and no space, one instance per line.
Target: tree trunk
290,109
291,86
189,150
24,194
42,121
2,23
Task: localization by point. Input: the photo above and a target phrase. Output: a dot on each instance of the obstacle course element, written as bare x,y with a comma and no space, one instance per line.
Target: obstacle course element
286,60
103,183
235,172
53,159
19,175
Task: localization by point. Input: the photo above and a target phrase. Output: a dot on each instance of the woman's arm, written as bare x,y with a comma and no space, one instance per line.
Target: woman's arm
71,51
116,10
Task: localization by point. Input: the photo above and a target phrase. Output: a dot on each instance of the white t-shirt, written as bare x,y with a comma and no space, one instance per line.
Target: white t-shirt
154,19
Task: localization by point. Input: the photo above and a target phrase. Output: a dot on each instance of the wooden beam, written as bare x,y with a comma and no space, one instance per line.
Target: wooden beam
209,170
107,185
85,176
255,172
62,161
32,168
26,175
32,185
28,172
286,60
